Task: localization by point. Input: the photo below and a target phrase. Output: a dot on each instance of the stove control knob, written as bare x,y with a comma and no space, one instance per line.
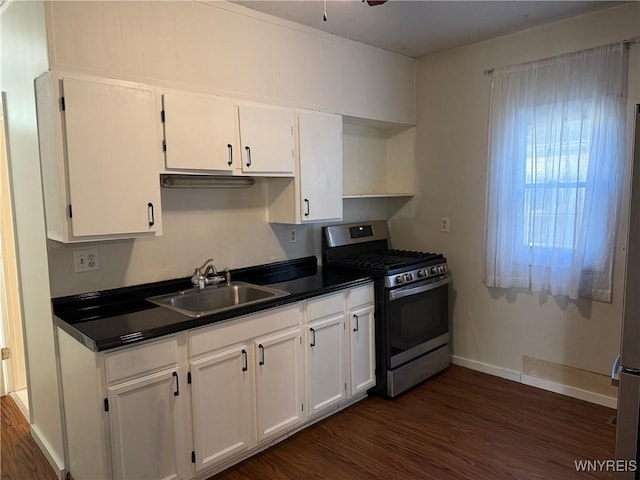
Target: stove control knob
399,279
422,273
408,277
434,270
442,268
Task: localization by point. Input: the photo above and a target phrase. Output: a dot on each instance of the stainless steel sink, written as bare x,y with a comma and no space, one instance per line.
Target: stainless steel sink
205,301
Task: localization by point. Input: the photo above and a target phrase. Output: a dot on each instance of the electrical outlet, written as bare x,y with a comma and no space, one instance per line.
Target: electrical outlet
444,224
85,260
293,235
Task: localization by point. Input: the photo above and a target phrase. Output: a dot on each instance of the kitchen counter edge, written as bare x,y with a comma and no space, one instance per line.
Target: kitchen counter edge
117,329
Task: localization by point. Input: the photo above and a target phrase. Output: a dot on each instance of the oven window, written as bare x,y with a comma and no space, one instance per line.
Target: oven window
416,319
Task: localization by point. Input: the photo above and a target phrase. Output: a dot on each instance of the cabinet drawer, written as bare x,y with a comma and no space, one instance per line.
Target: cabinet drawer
241,329
324,306
139,360
360,296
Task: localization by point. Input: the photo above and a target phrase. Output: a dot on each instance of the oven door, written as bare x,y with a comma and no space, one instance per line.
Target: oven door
417,320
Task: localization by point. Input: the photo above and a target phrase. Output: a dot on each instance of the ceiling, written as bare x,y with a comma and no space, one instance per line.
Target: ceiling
420,27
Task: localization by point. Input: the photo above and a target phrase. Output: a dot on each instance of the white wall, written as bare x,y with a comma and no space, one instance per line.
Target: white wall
493,326
227,225
23,56
223,48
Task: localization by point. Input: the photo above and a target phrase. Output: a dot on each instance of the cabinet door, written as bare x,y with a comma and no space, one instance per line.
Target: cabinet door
278,383
266,134
325,363
201,132
222,405
362,347
111,156
320,150
146,426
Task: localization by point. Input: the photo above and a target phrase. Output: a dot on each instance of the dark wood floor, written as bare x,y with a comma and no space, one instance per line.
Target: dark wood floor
20,457
460,424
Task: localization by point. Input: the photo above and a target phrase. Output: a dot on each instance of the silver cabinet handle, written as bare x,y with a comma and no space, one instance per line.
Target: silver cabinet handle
248,149
230,147
261,348
313,342
245,366
357,323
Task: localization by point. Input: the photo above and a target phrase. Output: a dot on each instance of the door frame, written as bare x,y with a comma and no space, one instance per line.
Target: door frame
11,319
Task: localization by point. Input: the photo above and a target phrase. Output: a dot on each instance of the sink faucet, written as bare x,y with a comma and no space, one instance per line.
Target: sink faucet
210,275
199,279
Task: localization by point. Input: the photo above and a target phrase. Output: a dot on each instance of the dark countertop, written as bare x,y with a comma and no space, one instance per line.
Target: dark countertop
113,318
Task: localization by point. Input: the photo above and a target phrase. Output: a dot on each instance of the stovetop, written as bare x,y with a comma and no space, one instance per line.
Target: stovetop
385,261
365,247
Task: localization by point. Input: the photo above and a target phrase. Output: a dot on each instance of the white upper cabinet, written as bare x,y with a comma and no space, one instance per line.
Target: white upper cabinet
316,193
320,150
266,135
200,132
99,151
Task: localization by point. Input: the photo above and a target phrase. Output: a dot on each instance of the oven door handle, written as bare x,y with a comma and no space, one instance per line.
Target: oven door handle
414,289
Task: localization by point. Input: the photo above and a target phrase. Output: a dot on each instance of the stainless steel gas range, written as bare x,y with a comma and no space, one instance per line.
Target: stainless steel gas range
411,302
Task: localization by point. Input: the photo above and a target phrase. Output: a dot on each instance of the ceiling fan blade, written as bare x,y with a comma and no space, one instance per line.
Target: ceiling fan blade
373,3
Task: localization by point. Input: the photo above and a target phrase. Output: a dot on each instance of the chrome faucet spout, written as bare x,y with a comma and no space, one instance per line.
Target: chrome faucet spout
211,270
205,264
199,279
208,274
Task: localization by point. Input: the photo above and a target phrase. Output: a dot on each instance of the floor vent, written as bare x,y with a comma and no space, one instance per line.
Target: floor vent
613,420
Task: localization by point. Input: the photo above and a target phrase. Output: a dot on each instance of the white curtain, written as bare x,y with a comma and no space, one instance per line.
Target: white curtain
556,162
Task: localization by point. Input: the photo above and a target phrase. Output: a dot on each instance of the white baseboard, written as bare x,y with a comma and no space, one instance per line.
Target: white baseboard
56,464
18,399
486,368
537,382
570,391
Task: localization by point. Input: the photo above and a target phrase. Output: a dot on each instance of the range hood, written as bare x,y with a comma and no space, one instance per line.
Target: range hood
205,181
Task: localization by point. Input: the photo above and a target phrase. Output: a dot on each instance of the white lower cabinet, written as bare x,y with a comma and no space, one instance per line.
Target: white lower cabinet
222,403
362,345
245,393
325,346
146,422
278,385
340,348
361,330
145,409
245,383
194,403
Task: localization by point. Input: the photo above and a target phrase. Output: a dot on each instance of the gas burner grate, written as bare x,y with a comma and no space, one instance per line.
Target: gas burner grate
388,260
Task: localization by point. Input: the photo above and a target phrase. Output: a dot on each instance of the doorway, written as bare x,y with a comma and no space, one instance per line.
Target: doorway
13,370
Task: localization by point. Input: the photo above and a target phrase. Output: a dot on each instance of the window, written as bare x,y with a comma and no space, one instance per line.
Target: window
555,167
